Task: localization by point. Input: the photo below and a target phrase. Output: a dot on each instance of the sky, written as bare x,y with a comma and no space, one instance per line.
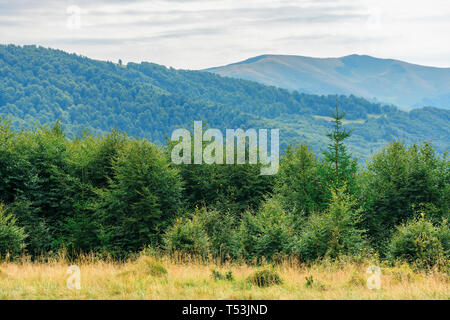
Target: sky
197,34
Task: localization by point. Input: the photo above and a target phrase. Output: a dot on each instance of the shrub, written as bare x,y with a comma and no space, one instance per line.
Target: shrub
229,276
334,232
217,275
222,232
268,232
265,278
313,284
208,231
309,281
421,244
401,273
11,236
187,236
357,280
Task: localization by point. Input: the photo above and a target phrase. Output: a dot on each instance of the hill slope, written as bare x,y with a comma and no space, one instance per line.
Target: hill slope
391,81
39,85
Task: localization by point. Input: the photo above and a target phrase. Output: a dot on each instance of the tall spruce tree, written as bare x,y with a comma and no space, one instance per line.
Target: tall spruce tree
340,167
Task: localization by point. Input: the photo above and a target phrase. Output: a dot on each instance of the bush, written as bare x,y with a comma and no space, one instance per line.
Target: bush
187,236
334,232
222,232
401,273
421,244
268,232
208,231
217,275
11,236
265,278
311,283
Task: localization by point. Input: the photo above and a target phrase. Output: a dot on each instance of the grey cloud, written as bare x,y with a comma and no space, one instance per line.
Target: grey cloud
10,23
121,41
324,18
338,39
247,16
239,28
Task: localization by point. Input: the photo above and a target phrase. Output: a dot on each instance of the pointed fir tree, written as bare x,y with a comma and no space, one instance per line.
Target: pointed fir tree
339,164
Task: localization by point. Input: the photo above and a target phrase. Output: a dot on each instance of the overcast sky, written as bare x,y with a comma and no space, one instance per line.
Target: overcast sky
195,34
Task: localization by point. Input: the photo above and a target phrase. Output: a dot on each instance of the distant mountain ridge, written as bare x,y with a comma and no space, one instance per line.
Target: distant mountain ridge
392,81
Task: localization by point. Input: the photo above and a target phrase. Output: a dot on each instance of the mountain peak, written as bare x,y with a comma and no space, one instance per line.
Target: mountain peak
391,81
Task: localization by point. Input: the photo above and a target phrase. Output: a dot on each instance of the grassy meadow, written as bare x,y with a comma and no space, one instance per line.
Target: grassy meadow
172,278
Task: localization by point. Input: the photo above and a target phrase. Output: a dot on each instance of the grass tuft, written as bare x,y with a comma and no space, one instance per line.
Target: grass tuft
150,266
265,278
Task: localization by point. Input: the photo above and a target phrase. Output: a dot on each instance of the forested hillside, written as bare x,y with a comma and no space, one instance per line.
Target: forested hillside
39,85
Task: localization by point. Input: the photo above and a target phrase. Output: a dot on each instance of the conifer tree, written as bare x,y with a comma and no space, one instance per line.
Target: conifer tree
340,167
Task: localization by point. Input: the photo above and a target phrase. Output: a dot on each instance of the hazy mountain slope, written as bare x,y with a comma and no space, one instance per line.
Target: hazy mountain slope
391,81
39,85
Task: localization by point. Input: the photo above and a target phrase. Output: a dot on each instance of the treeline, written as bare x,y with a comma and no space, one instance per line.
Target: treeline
146,100
115,195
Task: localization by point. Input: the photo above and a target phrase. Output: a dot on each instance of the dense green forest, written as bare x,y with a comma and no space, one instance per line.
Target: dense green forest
83,185
115,195
146,100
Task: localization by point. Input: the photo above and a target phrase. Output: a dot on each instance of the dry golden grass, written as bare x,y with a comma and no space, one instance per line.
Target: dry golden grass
192,280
